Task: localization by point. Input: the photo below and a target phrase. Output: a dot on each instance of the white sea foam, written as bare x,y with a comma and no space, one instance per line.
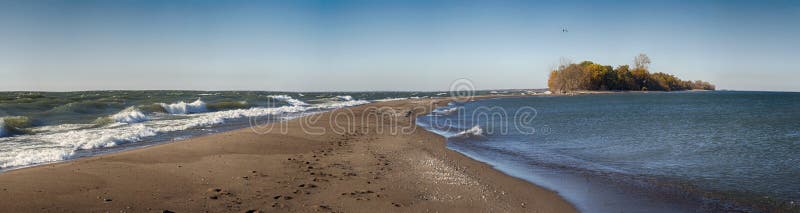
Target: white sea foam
101,137
344,98
61,142
28,157
339,104
213,118
60,128
445,110
390,99
184,108
475,131
47,147
288,99
129,115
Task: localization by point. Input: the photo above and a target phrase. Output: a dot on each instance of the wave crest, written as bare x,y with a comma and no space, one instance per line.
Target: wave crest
474,132
334,105
344,98
444,111
288,99
130,115
390,99
14,125
184,108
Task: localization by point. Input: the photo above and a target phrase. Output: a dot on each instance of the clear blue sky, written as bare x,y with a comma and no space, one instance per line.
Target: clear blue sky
384,45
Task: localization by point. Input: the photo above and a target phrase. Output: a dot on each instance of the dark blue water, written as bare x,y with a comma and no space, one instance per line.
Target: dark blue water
690,151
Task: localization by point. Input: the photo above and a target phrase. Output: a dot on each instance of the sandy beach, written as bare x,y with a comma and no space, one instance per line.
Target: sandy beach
366,168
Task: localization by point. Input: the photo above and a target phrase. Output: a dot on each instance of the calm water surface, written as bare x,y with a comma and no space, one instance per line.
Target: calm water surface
683,151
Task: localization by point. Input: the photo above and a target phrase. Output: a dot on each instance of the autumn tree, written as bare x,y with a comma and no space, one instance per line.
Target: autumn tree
588,75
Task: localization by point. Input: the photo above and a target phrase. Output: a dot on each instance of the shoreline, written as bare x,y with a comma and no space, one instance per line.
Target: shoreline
240,170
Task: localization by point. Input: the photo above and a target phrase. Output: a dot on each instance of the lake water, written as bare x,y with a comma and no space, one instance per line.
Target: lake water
662,152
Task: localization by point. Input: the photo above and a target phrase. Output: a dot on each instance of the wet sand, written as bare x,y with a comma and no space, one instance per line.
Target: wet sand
357,165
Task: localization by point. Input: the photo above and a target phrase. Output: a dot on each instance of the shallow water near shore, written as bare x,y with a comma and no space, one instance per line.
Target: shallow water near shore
663,152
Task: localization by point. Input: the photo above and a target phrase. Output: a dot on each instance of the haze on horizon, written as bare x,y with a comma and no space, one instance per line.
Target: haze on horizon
382,45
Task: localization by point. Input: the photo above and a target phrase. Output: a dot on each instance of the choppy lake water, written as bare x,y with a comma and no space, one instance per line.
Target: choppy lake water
42,127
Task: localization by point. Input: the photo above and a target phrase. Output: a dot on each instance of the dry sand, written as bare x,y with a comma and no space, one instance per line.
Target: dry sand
369,169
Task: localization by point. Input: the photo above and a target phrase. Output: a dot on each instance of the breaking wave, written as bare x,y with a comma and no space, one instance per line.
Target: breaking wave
184,108
61,145
21,144
129,115
340,104
444,111
344,98
61,142
14,125
474,132
390,99
288,99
